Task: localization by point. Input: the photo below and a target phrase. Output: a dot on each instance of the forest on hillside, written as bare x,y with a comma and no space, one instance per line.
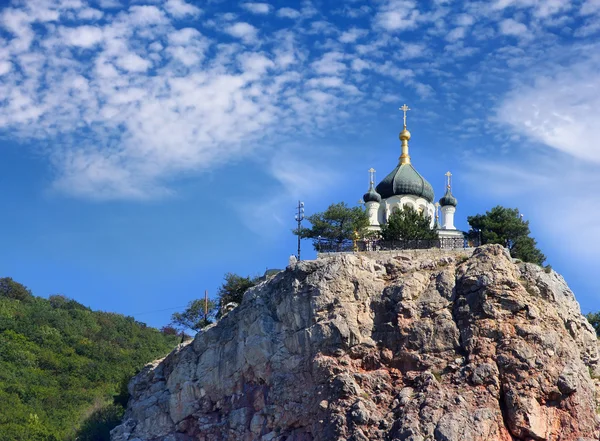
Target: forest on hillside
64,368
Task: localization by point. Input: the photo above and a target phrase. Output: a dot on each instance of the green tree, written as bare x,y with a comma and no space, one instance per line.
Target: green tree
14,290
336,225
506,227
594,319
408,224
234,287
196,316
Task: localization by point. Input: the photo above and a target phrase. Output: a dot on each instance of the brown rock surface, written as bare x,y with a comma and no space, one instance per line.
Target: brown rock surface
413,346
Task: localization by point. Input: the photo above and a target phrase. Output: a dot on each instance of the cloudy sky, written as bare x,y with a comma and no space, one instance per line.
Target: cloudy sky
149,147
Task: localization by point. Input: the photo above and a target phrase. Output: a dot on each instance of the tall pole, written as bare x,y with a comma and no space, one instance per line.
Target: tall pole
299,218
206,304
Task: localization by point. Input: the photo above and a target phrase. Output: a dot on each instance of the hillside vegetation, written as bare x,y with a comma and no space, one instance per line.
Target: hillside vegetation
64,367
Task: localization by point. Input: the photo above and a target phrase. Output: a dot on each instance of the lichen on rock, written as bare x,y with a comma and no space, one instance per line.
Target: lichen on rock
413,346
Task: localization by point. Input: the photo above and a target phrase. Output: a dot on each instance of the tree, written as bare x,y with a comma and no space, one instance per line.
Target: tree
506,227
196,316
336,225
234,287
169,330
408,224
594,319
14,290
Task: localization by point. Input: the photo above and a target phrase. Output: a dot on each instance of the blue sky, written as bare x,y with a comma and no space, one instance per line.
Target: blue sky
149,147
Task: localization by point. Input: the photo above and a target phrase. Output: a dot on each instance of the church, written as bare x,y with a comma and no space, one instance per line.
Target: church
403,187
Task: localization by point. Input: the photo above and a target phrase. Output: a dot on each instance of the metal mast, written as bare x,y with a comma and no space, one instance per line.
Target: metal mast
299,218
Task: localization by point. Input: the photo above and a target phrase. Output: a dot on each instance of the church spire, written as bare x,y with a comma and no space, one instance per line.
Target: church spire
404,137
448,180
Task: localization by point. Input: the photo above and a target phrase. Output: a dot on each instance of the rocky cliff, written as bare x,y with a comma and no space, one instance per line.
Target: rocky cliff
415,346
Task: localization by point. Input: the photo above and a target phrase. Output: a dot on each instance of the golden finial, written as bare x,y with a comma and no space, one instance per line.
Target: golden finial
448,180
404,137
372,175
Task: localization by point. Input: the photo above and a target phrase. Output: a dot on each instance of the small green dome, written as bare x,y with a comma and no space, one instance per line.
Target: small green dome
371,195
448,199
405,180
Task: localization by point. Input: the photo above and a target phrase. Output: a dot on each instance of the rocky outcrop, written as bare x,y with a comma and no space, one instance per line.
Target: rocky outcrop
416,346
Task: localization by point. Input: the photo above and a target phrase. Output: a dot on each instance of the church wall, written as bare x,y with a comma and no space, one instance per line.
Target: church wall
388,205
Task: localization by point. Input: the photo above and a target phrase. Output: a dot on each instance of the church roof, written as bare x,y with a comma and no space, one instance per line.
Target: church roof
448,199
371,195
405,180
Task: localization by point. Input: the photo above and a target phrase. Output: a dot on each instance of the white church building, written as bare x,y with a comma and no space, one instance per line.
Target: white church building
404,186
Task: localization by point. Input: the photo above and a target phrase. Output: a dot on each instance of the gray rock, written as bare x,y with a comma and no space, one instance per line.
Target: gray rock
411,346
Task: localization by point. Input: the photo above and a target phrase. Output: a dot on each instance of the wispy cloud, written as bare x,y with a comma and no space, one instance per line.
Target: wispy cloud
257,8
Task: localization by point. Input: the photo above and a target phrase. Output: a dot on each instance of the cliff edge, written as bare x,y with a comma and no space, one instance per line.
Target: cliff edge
412,346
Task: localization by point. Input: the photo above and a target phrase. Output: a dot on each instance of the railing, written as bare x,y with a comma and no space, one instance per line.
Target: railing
346,246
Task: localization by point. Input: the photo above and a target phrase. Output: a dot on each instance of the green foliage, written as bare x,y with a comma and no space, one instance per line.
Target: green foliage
196,316
505,226
234,287
335,225
59,359
594,319
14,290
98,425
169,330
408,224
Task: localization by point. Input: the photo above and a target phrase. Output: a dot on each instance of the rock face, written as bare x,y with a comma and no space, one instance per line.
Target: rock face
415,346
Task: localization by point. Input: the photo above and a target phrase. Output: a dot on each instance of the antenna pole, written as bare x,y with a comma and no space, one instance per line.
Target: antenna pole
206,304
299,218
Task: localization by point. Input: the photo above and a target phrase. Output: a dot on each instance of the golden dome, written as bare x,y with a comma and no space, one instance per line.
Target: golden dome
404,135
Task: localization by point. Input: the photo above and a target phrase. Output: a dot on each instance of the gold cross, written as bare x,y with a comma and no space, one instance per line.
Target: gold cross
448,175
405,109
372,175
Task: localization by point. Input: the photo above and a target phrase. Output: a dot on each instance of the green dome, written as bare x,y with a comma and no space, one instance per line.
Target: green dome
405,180
448,199
371,195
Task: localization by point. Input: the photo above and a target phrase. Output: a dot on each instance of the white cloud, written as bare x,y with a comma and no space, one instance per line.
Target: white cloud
257,8
464,20
330,64
351,35
456,34
541,8
82,36
288,13
133,63
244,31
590,7
5,67
180,8
296,178
559,110
397,15
514,28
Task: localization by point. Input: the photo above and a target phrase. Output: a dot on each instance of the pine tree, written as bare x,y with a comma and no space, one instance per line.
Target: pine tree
337,224
505,226
408,224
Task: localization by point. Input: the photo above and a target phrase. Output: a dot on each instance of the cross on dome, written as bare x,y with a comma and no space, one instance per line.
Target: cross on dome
405,109
448,179
372,175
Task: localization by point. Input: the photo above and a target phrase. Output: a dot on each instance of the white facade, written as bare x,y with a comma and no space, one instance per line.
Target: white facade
448,217
379,213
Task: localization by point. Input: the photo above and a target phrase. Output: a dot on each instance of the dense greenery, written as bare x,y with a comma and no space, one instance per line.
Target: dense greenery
594,319
506,227
63,367
234,287
336,225
407,224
